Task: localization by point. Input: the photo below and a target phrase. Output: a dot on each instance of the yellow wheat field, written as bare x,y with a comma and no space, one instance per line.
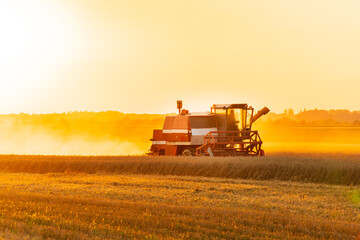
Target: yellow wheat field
57,197
81,206
342,169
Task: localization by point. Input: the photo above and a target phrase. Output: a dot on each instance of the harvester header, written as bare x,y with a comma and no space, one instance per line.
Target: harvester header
224,131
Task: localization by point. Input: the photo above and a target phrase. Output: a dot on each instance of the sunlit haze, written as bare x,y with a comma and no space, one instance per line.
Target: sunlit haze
142,56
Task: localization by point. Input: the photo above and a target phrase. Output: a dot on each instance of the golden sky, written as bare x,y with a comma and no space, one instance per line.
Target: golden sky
142,56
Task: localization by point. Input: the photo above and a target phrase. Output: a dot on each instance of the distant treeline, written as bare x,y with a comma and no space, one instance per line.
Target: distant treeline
107,118
316,117
97,122
80,118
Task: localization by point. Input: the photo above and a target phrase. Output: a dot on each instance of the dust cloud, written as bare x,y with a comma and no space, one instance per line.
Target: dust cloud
25,139
310,139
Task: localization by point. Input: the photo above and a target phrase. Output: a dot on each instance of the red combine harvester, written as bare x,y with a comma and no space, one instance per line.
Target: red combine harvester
224,131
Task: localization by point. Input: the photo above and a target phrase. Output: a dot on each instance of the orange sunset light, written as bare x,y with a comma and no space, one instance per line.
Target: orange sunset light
179,119
141,56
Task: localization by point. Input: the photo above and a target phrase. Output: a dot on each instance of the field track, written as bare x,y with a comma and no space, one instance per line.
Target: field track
340,169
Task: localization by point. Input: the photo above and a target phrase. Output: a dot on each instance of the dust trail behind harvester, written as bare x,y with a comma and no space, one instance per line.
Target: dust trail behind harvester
39,140
74,134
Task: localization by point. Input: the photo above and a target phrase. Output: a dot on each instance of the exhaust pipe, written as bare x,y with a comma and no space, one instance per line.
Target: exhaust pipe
263,111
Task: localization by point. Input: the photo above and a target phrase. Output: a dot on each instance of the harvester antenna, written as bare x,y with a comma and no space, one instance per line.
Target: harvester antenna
179,105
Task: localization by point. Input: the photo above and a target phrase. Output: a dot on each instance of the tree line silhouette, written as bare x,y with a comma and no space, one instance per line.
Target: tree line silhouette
315,117
118,123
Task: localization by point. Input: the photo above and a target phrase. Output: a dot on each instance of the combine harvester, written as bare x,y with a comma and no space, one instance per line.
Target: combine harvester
224,131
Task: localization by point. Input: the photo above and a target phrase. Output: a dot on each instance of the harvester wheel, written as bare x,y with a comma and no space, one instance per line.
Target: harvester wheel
188,152
262,152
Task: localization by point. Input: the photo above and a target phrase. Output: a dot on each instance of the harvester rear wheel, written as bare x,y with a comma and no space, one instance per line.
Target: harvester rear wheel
188,152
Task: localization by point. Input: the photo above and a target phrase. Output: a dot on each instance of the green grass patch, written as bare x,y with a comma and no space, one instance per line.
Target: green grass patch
355,197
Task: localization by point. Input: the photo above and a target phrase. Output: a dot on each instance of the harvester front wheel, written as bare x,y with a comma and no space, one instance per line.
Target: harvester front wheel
188,152
262,152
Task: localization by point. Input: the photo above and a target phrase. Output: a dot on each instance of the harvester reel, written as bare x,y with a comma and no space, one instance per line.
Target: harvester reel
188,152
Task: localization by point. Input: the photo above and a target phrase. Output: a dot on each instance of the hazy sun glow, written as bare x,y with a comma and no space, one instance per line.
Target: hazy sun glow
141,56
36,39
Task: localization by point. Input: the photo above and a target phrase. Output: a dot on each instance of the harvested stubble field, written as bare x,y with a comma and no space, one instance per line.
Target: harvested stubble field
282,196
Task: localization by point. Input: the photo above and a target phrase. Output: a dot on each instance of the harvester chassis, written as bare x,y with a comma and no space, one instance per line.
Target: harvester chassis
231,143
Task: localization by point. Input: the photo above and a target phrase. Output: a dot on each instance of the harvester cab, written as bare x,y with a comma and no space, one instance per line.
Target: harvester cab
224,131
232,117
236,117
